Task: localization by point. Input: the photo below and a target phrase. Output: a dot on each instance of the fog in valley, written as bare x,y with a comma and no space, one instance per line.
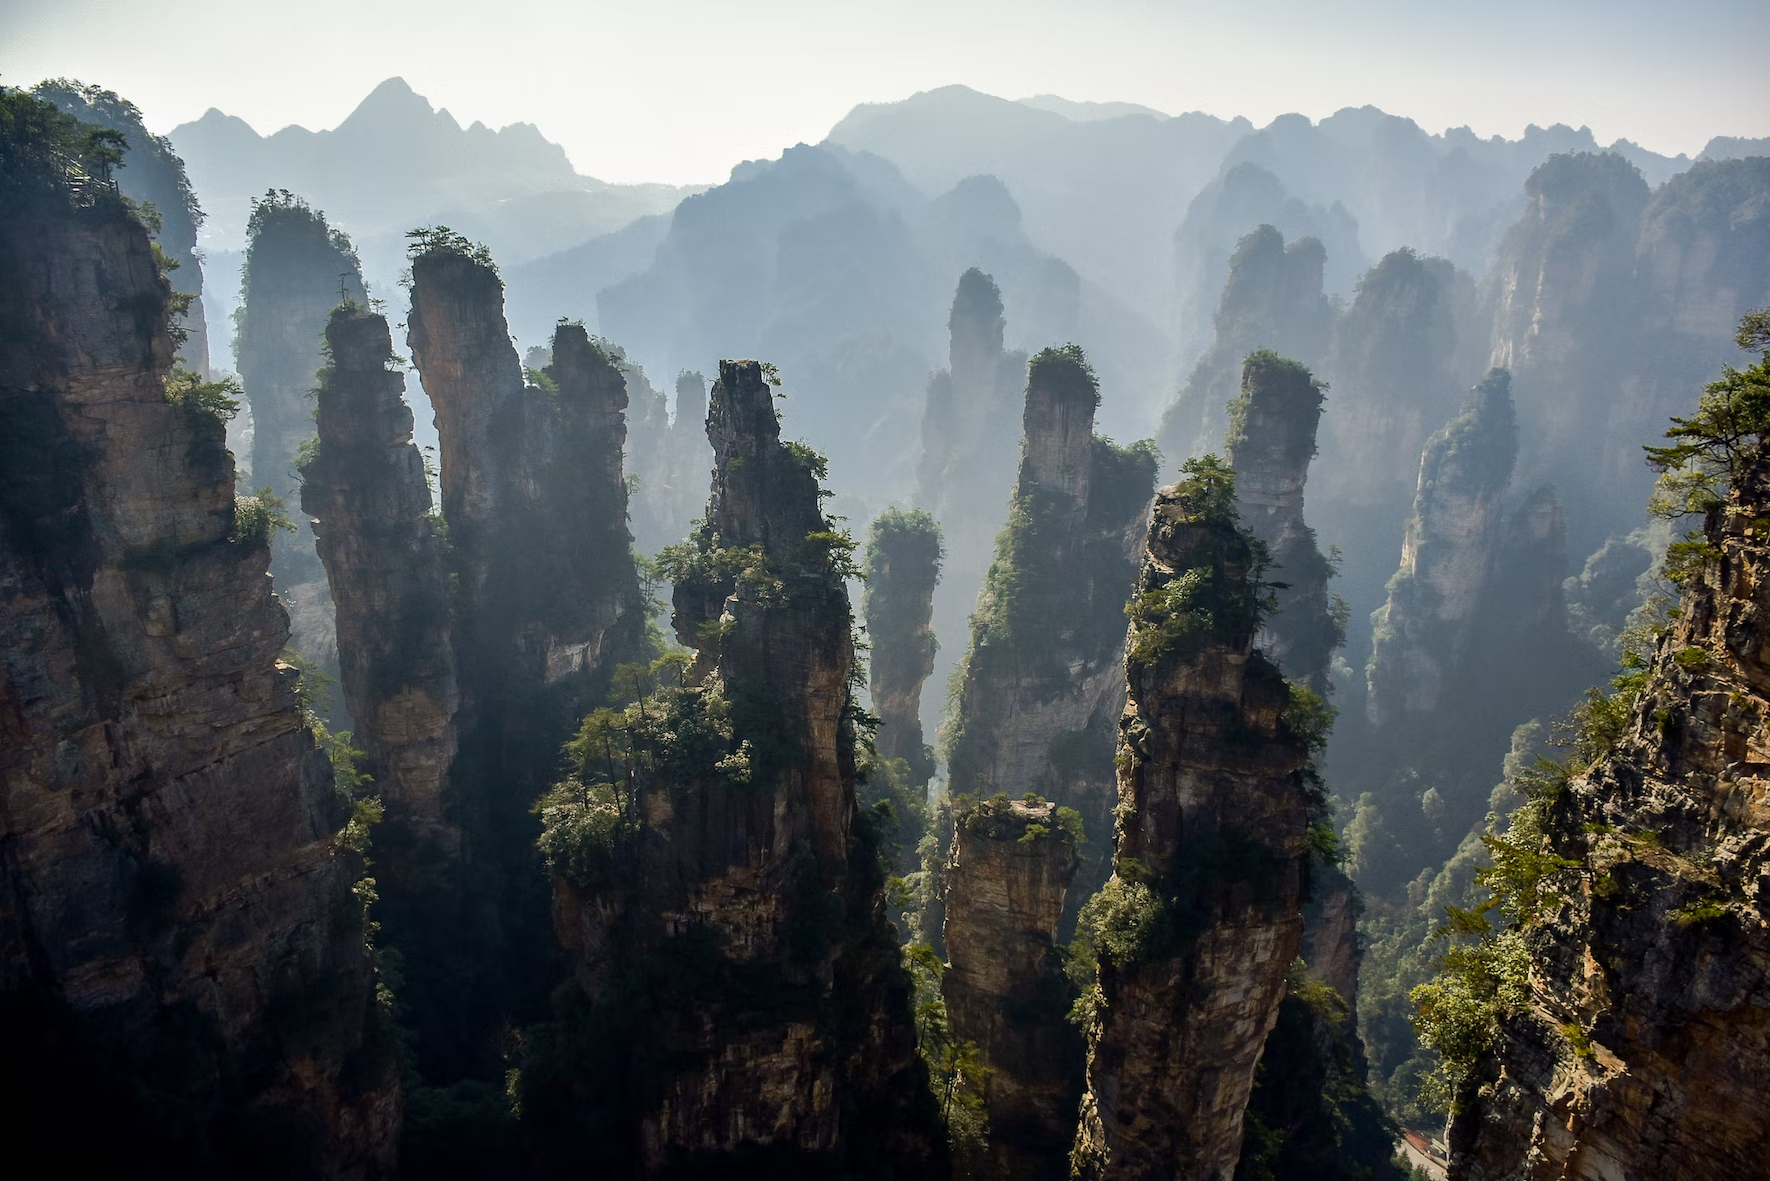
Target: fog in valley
886,595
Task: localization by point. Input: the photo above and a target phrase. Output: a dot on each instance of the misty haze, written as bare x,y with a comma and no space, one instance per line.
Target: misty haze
946,591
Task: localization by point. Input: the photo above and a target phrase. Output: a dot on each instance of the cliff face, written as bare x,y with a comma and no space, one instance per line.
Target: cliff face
968,447
902,568
1203,916
1422,633
297,269
182,957
1041,683
760,1012
670,458
1271,440
151,172
1005,989
384,560
1639,1048
1273,300
547,603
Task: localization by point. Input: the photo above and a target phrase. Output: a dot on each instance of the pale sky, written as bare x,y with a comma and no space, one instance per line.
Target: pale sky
679,90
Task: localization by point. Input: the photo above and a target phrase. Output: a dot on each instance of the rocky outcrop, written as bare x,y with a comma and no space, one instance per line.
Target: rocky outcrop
183,964
1271,440
1330,932
1422,634
1273,300
1005,989
1041,683
1203,915
1639,1049
151,172
384,556
969,446
902,569
546,604
298,268
763,1015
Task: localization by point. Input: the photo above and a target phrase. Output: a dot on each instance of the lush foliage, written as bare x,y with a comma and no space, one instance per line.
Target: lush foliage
258,516
955,1069
219,400
45,154
434,241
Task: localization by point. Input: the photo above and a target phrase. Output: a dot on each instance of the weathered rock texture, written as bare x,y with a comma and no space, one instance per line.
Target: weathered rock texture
182,958
1005,989
1271,440
969,447
1656,954
384,560
761,1012
1041,685
1423,633
902,568
151,172
297,270
1272,300
547,603
668,458
1203,916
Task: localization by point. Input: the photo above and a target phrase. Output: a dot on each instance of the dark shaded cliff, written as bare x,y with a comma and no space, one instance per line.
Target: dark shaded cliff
1272,300
756,1017
547,603
1041,685
298,268
1272,425
1608,1019
1005,989
151,173
1203,917
183,958
902,569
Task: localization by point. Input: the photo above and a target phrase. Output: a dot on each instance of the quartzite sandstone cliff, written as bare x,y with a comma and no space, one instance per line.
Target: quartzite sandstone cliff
181,953
1203,917
1005,989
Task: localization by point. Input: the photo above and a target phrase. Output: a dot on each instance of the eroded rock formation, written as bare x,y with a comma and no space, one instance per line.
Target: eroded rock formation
758,1011
1203,916
546,604
1271,440
298,268
1422,633
1639,1050
902,567
1005,989
968,446
183,963
1272,300
1042,685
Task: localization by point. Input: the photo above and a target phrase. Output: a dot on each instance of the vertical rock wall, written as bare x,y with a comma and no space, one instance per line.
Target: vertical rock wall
1041,683
1272,425
1005,989
182,957
297,270
902,567
763,1016
1203,916
1642,1048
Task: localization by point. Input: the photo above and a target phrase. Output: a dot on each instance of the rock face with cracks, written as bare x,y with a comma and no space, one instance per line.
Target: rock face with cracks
1042,684
1643,1048
758,980
181,949
1203,916
903,567
1005,988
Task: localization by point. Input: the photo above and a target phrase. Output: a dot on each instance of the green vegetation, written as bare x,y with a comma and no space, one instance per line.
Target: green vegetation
50,157
219,400
1206,603
955,1070
440,241
1711,449
258,516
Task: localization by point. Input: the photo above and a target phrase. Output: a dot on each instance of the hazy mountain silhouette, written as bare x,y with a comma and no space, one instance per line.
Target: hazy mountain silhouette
396,163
